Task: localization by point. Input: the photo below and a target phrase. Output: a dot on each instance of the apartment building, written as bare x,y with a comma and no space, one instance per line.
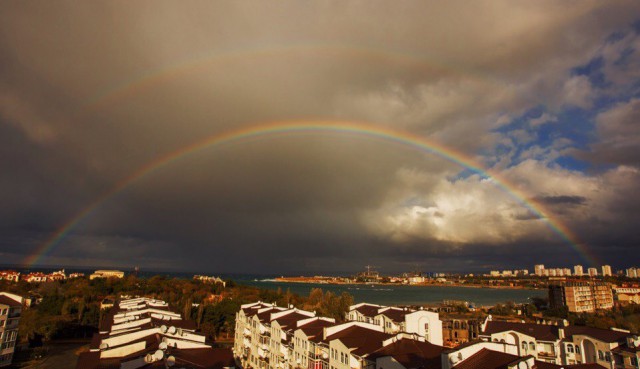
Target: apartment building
10,309
425,324
107,274
627,295
143,332
632,272
460,329
581,296
606,271
10,275
558,343
593,272
578,271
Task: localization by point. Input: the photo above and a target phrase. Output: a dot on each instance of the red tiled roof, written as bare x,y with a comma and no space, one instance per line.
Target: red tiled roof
6,300
314,330
368,310
487,359
605,335
396,315
412,354
545,365
289,320
540,332
361,340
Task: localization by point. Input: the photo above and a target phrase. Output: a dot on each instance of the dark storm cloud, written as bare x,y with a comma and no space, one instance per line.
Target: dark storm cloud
92,92
562,200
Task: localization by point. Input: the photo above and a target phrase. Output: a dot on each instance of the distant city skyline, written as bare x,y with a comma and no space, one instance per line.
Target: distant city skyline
314,137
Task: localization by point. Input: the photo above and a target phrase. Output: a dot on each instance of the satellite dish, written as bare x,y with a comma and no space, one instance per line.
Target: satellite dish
171,361
158,355
148,358
163,328
165,339
162,346
523,365
104,346
172,330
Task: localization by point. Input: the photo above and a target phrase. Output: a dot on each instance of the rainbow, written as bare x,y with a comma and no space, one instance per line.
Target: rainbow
287,128
148,79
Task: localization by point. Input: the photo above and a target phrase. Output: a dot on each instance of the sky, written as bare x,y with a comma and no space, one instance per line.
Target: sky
543,96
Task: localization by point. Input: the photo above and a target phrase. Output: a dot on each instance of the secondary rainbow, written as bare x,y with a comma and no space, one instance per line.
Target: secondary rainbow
145,81
278,129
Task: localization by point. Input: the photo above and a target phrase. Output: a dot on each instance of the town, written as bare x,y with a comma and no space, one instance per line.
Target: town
568,329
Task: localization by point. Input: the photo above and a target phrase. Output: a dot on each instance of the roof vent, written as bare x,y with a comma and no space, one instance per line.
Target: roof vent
171,361
158,355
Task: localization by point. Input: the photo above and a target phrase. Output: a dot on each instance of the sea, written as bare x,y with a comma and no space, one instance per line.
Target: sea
375,294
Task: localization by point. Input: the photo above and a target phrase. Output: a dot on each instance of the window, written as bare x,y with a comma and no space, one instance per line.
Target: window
524,346
570,348
577,348
532,346
600,355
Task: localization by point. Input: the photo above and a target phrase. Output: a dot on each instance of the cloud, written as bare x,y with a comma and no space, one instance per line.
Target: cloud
92,93
618,134
544,118
578,92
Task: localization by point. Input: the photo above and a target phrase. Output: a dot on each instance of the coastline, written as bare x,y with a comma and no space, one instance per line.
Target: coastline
436,284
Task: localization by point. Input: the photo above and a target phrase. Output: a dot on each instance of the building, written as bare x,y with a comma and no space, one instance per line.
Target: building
406,352
144,333
578,271
539,270
458,330
581,296
593,272
632,273
107,274
210,279
264,335
627,295
558,342
628,356
10,309
425,324
10,275
606,271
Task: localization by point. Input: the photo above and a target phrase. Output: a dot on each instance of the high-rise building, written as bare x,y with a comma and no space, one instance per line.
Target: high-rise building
10,309
577,270
581,296
606,271
567,272
539,270
593,272
632,273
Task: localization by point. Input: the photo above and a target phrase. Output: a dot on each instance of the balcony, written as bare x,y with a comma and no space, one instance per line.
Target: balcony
548,355
247,332
262,353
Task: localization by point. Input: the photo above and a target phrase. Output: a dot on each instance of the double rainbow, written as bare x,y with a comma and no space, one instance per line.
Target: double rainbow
279,129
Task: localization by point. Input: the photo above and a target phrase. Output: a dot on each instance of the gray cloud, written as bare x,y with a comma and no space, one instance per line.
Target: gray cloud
92,92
